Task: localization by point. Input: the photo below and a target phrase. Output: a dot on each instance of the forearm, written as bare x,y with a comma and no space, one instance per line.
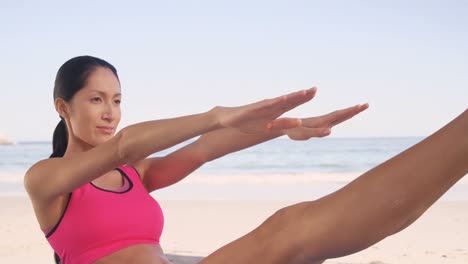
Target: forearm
218,143
143,139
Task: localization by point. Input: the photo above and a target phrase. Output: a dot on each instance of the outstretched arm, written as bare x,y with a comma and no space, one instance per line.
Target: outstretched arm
160,172
138,141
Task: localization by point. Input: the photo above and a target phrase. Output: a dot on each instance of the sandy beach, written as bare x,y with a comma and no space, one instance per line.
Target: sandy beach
196,228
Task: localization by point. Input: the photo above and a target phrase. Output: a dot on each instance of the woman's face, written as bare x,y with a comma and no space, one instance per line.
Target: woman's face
94,111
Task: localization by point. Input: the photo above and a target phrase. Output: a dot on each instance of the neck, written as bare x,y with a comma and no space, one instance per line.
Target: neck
76,145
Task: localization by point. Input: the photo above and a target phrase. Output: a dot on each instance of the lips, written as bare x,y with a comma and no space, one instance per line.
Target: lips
106,129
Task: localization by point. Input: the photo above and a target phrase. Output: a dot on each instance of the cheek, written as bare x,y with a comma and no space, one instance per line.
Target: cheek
84,121
87,118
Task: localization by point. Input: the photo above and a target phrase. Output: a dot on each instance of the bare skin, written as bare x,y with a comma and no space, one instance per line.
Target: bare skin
379,203
385,200
149,254
92,154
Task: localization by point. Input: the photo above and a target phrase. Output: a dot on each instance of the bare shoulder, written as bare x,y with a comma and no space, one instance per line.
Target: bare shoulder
37,174
54,177
47,209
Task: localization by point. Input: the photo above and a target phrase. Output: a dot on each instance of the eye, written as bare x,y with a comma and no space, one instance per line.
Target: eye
95,99
117,101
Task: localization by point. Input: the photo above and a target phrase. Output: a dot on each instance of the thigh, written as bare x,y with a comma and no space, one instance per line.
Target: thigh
278,240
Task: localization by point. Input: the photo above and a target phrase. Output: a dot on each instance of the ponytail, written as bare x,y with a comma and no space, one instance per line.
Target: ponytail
59,146
60,140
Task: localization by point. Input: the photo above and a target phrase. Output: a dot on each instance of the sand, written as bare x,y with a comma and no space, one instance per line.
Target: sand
196,228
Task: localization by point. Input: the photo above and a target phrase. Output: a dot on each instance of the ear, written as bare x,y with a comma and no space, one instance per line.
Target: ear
61,107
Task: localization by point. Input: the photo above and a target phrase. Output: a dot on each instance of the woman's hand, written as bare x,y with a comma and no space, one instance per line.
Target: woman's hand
262,116
320,126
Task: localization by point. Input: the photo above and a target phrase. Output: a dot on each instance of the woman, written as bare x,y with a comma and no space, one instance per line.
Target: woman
91,198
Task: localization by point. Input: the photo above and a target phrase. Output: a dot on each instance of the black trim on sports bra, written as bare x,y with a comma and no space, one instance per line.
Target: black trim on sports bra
137,172
111,191
61,217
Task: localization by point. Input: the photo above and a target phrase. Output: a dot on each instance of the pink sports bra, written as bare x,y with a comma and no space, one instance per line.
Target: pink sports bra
97,222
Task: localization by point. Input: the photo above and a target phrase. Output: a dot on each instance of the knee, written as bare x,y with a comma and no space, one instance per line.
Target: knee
285,218
300,231
284,231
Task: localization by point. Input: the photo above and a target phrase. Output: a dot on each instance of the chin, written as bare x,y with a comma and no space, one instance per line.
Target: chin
99,140
105,138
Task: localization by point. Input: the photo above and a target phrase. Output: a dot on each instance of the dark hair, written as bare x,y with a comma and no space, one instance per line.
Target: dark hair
72,77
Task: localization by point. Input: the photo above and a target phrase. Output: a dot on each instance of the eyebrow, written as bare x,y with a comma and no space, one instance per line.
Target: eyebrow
103,93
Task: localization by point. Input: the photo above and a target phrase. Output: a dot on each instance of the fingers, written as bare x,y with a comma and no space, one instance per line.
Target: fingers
292,100
335,117
347,113
279,105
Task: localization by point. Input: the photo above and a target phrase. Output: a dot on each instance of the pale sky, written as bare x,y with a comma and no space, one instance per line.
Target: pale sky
407,59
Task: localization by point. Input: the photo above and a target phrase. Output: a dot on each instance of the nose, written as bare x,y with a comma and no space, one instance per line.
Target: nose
109,112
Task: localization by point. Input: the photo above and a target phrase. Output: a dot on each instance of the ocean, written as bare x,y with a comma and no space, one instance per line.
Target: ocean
280,169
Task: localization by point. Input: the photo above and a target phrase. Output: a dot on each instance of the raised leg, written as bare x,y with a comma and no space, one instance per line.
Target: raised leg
379,203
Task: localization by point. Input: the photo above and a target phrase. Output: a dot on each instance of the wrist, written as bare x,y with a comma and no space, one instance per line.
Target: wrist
214,117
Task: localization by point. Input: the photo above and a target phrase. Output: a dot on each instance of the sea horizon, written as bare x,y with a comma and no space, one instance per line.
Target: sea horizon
279,168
